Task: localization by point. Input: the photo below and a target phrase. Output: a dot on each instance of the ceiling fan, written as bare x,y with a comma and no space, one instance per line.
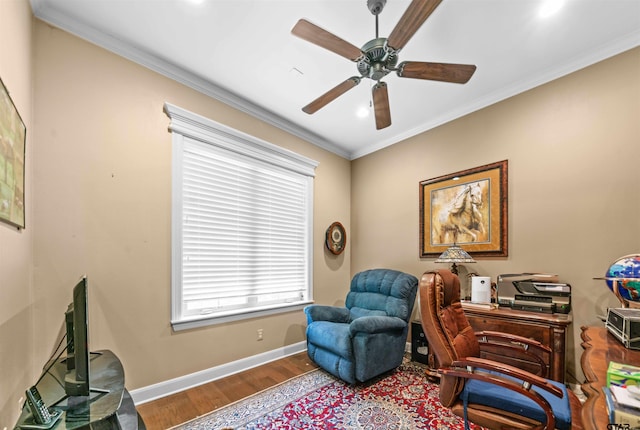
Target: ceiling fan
379,57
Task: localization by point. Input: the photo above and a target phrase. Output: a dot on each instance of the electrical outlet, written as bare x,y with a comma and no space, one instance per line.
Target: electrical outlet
260,332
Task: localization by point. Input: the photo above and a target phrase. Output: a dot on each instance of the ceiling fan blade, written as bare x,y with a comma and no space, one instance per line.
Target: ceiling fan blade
331,95
415,15
316,35
381,105
456,73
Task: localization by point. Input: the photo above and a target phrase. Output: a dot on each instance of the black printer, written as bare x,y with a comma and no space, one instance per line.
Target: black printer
533,292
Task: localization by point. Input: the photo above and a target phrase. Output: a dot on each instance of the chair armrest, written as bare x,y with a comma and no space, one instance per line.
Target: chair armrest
376,324
501,337
528,378
466,369
511,345
326,313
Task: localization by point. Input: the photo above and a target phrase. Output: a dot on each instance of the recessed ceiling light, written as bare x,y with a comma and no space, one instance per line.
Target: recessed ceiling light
362,112
195,1
550,7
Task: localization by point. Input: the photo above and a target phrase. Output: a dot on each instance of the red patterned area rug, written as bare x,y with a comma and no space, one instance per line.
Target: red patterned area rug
402,399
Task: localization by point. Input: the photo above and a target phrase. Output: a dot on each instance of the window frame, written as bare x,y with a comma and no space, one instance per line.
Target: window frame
187,125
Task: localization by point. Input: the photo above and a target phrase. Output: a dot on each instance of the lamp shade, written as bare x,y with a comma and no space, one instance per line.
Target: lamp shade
454,254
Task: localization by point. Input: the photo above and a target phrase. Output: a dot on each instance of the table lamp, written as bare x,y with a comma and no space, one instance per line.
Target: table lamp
454,254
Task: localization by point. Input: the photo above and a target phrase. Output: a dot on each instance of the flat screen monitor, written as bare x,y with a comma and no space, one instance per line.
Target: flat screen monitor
76,381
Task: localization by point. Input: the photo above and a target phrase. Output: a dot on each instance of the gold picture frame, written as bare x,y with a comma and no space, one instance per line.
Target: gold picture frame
12,154
467,208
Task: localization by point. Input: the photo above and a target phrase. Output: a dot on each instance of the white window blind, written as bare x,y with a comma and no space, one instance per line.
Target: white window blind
242,240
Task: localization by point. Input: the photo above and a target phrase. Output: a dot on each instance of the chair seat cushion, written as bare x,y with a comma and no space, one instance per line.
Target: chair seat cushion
487,394
357,312
331,336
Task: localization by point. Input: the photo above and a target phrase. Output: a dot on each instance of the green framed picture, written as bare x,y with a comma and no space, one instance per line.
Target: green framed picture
12,153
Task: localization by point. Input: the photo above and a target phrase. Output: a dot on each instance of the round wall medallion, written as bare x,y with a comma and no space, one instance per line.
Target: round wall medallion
336,238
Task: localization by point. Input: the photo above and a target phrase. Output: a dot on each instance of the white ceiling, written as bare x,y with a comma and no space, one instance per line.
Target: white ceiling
243,53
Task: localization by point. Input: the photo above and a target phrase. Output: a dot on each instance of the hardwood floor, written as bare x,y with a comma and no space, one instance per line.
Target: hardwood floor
177,408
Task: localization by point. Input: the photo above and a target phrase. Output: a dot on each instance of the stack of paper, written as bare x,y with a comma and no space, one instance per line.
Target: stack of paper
623,405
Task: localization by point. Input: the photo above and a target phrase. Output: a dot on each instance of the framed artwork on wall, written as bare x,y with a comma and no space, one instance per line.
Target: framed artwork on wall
12,152
467,208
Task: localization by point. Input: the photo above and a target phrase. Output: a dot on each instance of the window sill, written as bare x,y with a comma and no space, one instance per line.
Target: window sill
212,319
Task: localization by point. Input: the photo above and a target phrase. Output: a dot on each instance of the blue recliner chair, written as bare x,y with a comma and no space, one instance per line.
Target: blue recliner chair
368,336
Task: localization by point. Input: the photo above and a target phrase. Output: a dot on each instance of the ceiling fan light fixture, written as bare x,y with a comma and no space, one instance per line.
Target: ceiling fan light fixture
378,71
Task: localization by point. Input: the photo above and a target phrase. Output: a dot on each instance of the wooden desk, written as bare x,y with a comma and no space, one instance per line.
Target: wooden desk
600,347
548,329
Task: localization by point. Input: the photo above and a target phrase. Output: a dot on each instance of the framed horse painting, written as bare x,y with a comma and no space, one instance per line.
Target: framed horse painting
467,208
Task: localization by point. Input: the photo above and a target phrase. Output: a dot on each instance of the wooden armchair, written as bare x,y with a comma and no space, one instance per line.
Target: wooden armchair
486,391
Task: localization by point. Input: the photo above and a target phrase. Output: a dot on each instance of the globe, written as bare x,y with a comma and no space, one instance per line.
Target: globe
628,268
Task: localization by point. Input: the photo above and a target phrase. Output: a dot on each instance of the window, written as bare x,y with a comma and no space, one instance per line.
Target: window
241,224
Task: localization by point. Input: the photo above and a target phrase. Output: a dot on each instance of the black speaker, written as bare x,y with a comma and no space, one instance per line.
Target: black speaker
419,344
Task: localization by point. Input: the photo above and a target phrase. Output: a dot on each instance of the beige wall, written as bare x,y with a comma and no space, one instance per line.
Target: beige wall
17,301
98,201
573,148
103,206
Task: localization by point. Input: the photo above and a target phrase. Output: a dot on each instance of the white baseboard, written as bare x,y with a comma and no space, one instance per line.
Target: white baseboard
162,389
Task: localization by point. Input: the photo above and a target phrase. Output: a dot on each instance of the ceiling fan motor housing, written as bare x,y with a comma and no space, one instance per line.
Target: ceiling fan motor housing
377,61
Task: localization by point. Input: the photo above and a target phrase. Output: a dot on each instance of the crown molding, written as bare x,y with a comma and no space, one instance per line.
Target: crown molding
171,71
141,57
595,55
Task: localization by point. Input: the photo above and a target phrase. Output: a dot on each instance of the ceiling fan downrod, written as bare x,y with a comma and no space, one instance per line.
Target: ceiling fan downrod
377,60
375,7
